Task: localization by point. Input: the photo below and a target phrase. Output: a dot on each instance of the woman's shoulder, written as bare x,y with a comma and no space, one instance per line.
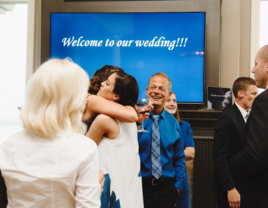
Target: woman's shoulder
80,140
77,144
185,124
104,118
105,121
18,137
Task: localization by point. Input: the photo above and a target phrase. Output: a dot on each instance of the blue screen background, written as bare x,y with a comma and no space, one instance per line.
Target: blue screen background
184,64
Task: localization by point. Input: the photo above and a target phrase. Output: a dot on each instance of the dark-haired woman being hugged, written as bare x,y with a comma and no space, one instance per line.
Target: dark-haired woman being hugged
183,201
117,141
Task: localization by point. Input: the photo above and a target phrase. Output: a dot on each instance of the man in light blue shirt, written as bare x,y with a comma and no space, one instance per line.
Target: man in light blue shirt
161,190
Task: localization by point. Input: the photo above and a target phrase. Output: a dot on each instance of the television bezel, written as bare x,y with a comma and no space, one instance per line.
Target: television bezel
212,31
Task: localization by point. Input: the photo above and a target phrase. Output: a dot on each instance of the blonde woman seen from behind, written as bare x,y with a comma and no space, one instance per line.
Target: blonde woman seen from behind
50,163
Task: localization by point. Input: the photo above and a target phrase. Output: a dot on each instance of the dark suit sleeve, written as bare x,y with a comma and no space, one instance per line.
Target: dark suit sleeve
254,156
222,136
3,195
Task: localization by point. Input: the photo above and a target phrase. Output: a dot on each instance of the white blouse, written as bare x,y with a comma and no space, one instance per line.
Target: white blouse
40,172
119,158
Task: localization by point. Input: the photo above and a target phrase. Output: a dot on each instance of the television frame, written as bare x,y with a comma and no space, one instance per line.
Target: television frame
212,33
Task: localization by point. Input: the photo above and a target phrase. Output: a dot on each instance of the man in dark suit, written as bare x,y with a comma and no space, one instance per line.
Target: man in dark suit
229,140
251,164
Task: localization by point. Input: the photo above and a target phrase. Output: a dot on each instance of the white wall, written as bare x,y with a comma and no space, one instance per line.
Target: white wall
240,39
13,38
263,23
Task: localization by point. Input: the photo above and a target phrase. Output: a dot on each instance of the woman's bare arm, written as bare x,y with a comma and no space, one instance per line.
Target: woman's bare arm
189,153
97,104
98,128
103,125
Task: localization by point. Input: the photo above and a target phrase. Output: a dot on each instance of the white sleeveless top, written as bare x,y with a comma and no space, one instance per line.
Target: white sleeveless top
120,159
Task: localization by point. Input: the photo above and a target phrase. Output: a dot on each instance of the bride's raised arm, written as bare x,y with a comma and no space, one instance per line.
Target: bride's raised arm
100,105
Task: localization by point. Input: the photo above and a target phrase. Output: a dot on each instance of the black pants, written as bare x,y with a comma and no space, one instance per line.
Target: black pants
163,195
222,199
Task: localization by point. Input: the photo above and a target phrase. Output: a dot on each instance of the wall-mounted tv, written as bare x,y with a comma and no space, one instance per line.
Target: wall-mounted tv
140,43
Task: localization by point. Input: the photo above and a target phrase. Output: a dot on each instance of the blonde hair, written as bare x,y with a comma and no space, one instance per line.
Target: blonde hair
161,74
55,99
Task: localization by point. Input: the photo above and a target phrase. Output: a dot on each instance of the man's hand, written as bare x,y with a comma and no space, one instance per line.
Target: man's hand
142,115
179,191
233,198
101,180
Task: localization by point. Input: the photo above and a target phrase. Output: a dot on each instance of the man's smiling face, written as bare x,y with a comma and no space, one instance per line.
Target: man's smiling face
158,90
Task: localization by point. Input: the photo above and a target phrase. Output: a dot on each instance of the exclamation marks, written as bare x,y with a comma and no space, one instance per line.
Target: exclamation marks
178,40
182,42
185,42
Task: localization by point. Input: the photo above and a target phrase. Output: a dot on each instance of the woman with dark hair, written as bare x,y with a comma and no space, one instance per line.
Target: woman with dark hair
117,141
100,76
183,201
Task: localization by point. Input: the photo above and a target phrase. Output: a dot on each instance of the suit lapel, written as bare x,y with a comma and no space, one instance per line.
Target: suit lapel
239,117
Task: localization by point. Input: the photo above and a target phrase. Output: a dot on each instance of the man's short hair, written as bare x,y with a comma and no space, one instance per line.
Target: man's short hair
161,74
242,83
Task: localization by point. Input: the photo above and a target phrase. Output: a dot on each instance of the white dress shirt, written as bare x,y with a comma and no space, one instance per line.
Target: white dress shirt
59,173
243,112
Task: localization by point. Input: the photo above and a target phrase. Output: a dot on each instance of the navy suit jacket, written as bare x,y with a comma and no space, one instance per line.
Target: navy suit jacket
251,164
3,194
229,139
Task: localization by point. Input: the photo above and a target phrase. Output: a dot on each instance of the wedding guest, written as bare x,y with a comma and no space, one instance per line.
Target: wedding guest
251,164
183,201
100,76
50,163
229,139
117,141
161,149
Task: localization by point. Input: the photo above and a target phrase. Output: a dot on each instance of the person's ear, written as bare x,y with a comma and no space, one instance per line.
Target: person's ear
240,93
147,91
116,97
170,93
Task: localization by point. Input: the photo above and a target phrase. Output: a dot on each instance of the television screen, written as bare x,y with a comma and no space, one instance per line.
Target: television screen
140,43
219,98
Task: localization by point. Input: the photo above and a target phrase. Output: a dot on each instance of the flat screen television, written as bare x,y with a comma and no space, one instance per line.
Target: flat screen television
140,43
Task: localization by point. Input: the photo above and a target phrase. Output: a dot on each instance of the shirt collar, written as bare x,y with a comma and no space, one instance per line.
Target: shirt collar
163,114
243,111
